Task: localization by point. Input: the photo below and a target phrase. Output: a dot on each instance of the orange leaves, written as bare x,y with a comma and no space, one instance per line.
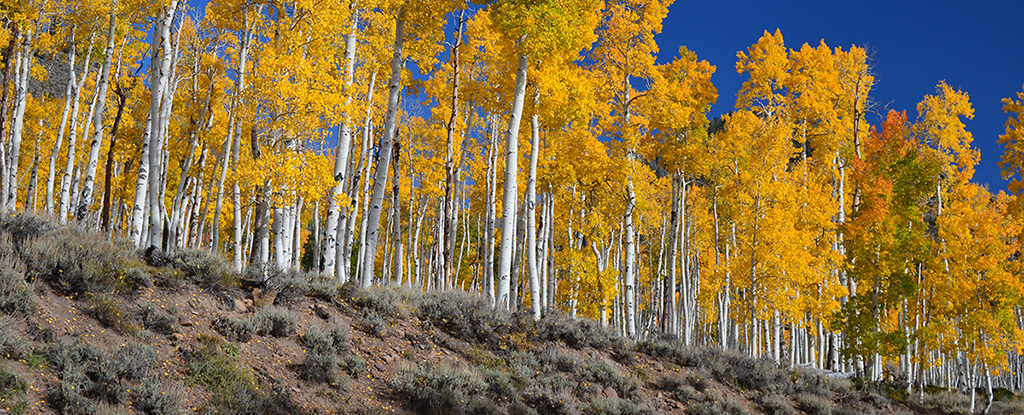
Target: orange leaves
1012,161
981,290
765,62
941,126
549,29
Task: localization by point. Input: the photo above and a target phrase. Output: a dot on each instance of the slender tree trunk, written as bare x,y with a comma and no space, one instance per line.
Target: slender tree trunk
315,224
531,212
108,170
364,175
988,390
236,191
5,99
186,167
68,190
508,230
71,97
384,157
85,200
447,221
18,120
336,211
141,187
396,205
278,227
490,210
160,68
673,255
629,266
33,181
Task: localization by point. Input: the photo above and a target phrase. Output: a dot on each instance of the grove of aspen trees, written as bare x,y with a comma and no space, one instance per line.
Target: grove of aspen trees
535,152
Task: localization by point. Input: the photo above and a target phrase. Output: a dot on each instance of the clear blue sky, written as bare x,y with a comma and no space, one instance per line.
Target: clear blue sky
975,46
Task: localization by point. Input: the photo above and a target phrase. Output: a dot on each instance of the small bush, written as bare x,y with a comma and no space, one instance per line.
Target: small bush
75,261
679,387
133,361
499,384
16,295
12,342
204,268
353,365
135,276
106,309
465,316
597,371
590,370
236,330
805,381
209,366
613,406
319,368
156,398
67,399
88,372
386,302
716,404
699,381
323,288
775,404
10,384
674,352
949,402
1007,407
578,333
155,319
292,285
545,400
275,321
24,226
726,366
813,405
374,324
439,389
332,341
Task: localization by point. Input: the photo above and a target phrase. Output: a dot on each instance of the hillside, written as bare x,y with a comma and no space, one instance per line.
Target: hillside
91,327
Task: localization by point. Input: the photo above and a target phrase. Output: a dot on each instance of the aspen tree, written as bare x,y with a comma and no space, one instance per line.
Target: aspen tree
335,213
97,139
541,31
423,20
1012,161
159,71
24,69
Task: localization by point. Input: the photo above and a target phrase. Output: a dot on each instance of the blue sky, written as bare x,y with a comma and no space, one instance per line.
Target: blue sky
977,47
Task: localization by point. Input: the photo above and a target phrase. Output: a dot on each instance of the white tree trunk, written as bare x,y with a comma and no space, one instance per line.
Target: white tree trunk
297,234
67,186
18,124
384,157
354,194
277,229
73,98
85,200
629,263
237,247
396,206
335,208
141,187
490,210
508,218
159,69
531,213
